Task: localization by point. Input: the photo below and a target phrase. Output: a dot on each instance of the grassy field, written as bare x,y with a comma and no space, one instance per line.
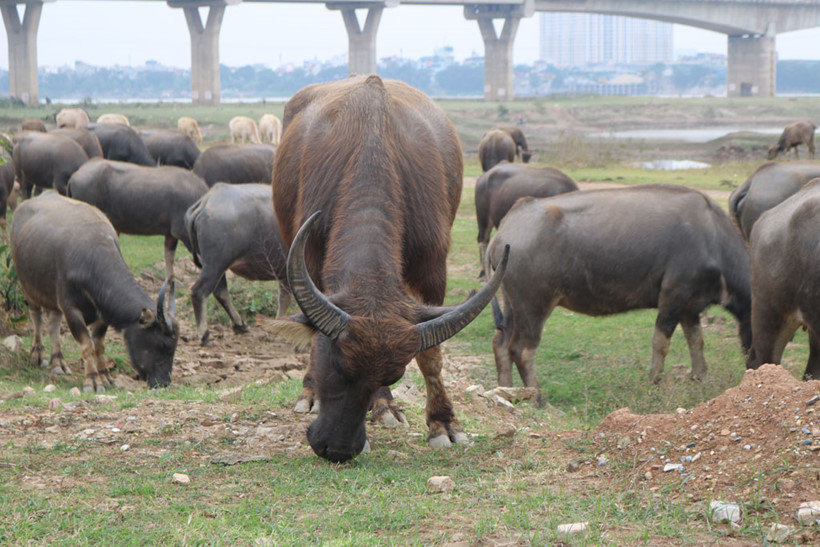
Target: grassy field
509,490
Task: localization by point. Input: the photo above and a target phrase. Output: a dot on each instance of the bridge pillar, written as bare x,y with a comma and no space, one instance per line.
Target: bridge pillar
751,65
204,47
361,42
498,49
22,41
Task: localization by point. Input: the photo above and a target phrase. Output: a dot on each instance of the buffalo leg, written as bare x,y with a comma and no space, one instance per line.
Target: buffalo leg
57,363
524,324
170,251
694,339
76,325
224,298
307,401
385,410
38,352
98,330
671,307
813,367
444,426
772,331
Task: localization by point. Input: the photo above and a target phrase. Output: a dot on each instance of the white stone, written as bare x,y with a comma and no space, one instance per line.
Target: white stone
778,533
28,390
75,392
50,388
809,513
572,529
672,467
180,478
440,484
125,447
724,511
473,388
13,343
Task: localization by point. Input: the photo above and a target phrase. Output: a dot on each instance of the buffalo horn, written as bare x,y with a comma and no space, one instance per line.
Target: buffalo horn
320,311
165,322
435,331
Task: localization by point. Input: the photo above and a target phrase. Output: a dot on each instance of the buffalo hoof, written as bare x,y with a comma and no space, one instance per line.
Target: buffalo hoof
366,447
697,377
58,364
389,416
241,329
305,405
460,437
38,356
441,441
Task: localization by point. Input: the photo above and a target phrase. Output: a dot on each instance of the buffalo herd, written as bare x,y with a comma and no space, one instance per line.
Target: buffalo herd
349,202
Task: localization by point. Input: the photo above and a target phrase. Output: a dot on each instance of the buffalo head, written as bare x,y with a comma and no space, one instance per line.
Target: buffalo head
152,341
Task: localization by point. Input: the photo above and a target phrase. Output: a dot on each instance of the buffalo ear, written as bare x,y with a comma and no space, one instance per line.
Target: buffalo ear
296,328
147,318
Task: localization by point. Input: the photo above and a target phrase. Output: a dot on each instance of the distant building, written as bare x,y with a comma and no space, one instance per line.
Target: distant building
576,39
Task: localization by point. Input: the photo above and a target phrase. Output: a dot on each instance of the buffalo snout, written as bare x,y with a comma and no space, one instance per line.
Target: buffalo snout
334,441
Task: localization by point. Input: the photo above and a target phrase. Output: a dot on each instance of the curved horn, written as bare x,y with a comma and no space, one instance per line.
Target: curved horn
320,311
436,331
165,322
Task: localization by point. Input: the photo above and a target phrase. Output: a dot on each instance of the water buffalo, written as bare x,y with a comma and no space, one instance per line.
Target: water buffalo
233,227
236,164
72,117
602,252
190,127
121,143
270,129
768,186
785,289
45,160
113,118
171,147
87,140
520,140
9,190
243,129
69,264
141,200
499,188
495,146
794,135
33,124
366,187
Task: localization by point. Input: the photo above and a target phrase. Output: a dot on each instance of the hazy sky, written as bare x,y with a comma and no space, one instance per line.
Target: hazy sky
105,33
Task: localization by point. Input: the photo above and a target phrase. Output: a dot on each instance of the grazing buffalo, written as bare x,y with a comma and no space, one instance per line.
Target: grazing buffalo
236,164
69,264
495,146
72,117
794,135
33,124
9,190
499,188
82,136
603,252
141,200
45,160
190,127
366,187
785,287
121,143
113,118
270,129
243,129
171,147
233,227
768,186
521,148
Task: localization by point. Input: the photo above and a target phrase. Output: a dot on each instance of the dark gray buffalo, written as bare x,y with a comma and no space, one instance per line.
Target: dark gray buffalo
171,147
121,143
141,200
785,263
236,164
496,145
497,190
768,186
9,190
69,264
233,227
45,160
609,251
82,136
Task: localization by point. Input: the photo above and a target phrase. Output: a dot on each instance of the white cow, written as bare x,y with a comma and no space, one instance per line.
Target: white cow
243,129
270,129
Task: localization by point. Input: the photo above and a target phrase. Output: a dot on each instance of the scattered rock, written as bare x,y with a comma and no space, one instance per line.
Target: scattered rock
778,533
723,511
440,484
573,466
603,459
180,478
672,467
13,343
75,391
233,395
28,390
474,388
512,394
54,404
809,513
396,455
506,431
50,388
573,529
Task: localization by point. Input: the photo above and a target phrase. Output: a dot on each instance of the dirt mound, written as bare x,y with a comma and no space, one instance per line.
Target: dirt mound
757,442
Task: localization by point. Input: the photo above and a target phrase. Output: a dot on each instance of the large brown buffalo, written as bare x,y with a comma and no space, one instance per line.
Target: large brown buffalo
499,188
366,186
45,160
603,252
69,264
794,135
768,186
233,227
785,262
495,146
141,200
236,164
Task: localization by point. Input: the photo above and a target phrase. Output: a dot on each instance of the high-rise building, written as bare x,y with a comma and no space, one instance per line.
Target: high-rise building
581,39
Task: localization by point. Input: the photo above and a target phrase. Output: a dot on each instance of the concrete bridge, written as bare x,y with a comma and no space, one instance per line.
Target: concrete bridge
751,27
